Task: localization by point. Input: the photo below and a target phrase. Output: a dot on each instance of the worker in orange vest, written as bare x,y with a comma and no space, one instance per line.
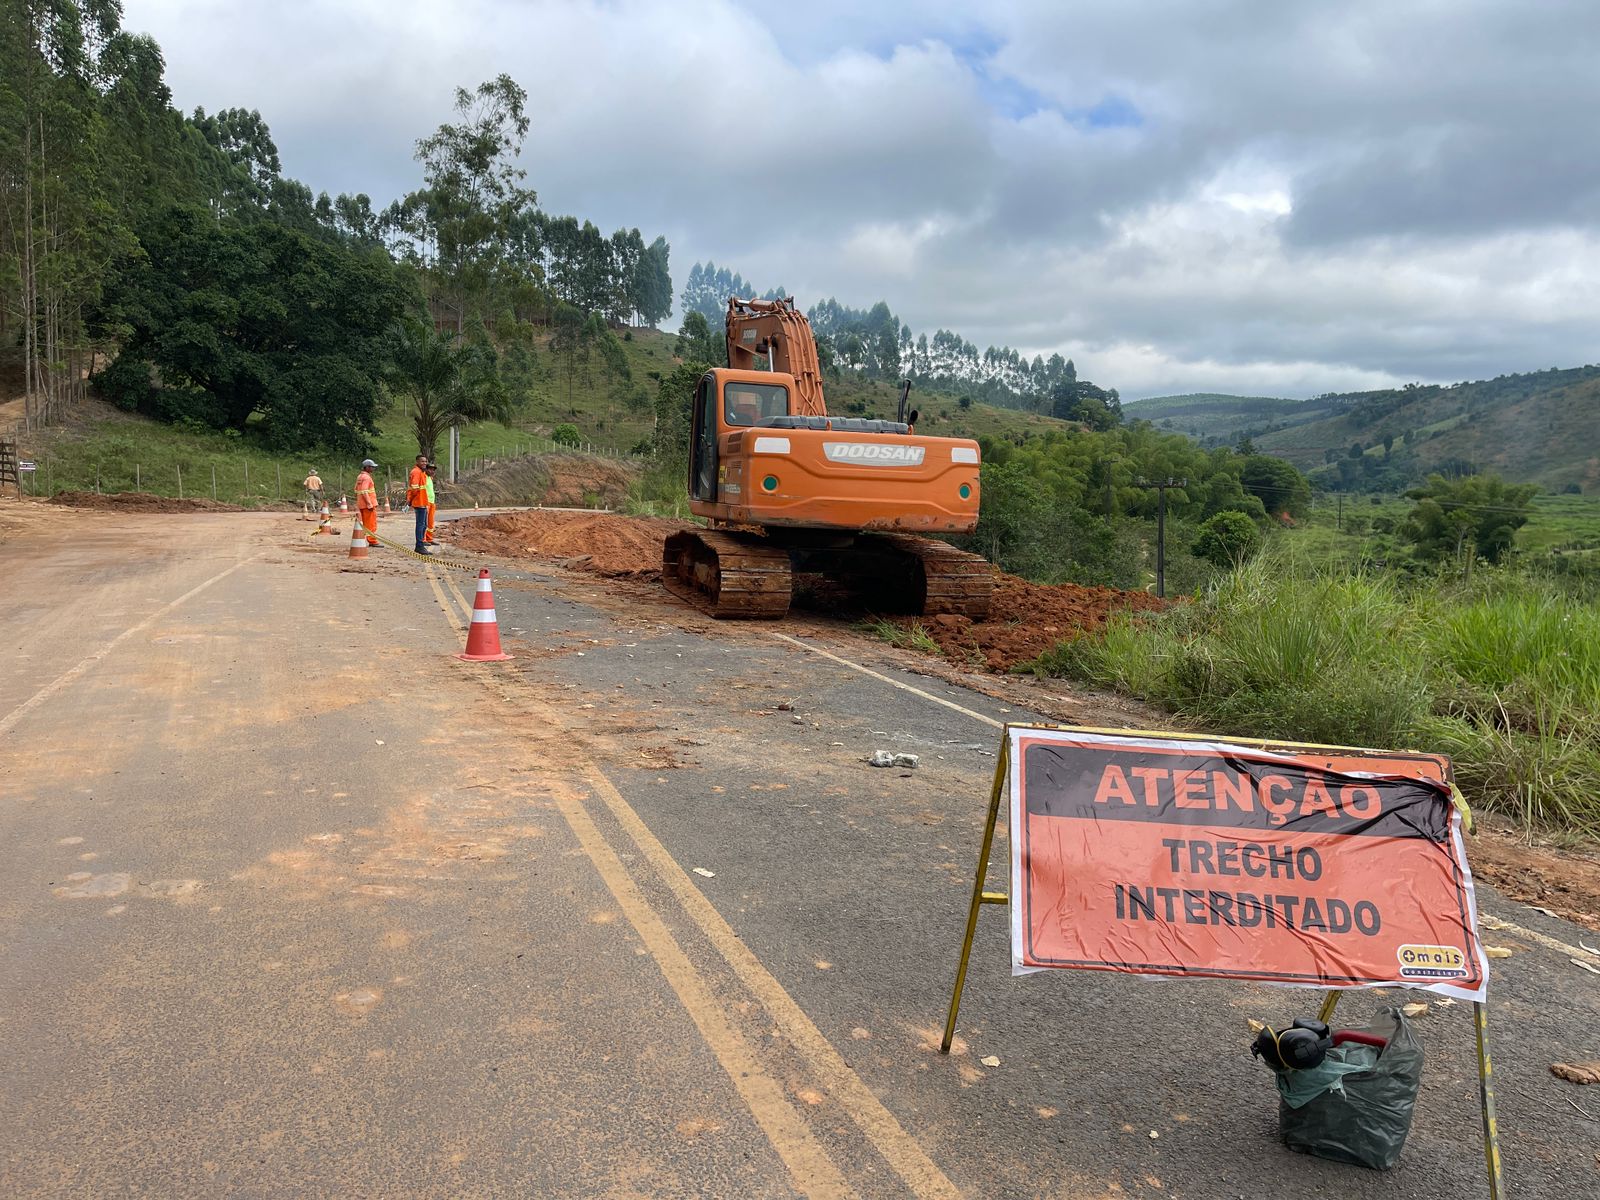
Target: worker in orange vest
367,501
417,498
427,537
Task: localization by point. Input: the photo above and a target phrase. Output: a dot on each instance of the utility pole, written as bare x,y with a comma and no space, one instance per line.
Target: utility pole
1161,487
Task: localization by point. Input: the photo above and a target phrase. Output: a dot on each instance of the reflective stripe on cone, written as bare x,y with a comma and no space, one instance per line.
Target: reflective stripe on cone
483,635
358,540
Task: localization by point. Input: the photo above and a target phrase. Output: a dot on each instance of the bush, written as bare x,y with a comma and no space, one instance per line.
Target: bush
565,435
1227,539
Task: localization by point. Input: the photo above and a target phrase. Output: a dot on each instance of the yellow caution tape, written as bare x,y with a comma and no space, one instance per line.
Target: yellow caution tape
433,558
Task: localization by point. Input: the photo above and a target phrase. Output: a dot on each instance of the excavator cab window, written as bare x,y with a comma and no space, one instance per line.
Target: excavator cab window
754,403
703,470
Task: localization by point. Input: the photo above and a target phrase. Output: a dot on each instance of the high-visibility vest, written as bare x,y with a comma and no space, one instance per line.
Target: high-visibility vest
417,488
430,491
366,491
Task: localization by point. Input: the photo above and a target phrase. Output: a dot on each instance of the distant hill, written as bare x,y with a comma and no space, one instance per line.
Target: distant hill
1210,416
1542,427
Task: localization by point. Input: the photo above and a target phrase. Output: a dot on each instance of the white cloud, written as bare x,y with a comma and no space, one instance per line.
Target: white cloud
1271,196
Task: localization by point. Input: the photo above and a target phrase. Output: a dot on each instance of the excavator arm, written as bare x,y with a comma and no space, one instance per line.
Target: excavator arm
780,331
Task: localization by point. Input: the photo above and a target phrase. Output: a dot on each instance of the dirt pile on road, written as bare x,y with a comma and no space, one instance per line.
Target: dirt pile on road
1026,619
605,544
142,502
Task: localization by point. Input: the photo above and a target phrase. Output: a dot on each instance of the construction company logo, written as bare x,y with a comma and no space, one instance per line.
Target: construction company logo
873,454
1431,962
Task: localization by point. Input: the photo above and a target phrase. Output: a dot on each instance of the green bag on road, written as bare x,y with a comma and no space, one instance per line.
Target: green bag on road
1357,1106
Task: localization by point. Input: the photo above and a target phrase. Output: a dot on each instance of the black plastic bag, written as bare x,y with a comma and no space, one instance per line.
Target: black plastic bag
1365,1117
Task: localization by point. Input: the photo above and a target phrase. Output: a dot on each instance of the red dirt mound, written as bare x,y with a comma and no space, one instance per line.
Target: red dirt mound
1026,619
601,543
142,502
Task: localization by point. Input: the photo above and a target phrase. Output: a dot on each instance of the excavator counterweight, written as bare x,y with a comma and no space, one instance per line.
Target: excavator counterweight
792,491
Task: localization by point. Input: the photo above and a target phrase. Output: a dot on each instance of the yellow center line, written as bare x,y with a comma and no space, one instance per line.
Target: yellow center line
813,1171
466,608
897,1146
444,603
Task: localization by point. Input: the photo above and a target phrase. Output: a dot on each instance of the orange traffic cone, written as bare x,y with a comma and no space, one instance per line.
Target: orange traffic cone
326,525
358,541
343,506
386,509
483,636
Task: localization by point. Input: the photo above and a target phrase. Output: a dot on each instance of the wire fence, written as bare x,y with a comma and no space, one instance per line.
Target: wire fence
256,481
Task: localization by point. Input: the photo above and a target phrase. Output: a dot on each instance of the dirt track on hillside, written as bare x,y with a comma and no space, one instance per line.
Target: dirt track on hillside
561,480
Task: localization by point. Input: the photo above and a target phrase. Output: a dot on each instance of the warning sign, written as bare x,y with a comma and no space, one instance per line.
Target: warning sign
1310,866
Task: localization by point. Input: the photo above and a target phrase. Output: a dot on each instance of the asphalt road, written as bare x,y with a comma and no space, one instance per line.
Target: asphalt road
294,903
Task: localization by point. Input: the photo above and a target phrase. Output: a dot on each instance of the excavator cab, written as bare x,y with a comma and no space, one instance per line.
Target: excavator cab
723,407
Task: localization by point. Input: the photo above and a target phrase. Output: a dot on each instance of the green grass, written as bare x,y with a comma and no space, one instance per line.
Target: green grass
911,636
1342,534
1498,672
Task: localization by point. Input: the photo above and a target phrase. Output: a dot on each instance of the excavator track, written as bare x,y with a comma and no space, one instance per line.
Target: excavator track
743,575
728,575
951,580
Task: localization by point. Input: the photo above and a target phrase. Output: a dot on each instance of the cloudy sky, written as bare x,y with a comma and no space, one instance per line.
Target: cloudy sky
1263,196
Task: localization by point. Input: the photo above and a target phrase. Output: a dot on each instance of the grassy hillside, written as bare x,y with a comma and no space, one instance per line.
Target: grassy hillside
1538,428
1535,428
1212,416
102,446
601,408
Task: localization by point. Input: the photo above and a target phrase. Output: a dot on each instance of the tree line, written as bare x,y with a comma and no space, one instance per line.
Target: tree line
875,344
171,256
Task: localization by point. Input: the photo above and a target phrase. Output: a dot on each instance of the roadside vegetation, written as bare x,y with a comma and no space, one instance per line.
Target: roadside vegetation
1500,670
911,636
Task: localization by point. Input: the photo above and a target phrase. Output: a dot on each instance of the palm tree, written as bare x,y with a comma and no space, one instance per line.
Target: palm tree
449,382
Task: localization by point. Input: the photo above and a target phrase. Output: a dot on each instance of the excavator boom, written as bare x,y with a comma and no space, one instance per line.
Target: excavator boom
780,332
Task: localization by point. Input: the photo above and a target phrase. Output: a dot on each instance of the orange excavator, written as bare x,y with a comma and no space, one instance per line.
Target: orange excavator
792,492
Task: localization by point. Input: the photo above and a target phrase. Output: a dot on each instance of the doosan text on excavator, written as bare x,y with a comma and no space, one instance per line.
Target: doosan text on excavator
790,490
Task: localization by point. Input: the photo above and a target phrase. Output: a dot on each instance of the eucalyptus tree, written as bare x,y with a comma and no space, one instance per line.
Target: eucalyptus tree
460,225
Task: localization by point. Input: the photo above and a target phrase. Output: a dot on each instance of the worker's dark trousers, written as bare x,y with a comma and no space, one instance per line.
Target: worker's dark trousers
422,524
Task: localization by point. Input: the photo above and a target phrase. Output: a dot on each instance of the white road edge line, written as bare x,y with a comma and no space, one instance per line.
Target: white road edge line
905,687
1484,919
73,672
1494,924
